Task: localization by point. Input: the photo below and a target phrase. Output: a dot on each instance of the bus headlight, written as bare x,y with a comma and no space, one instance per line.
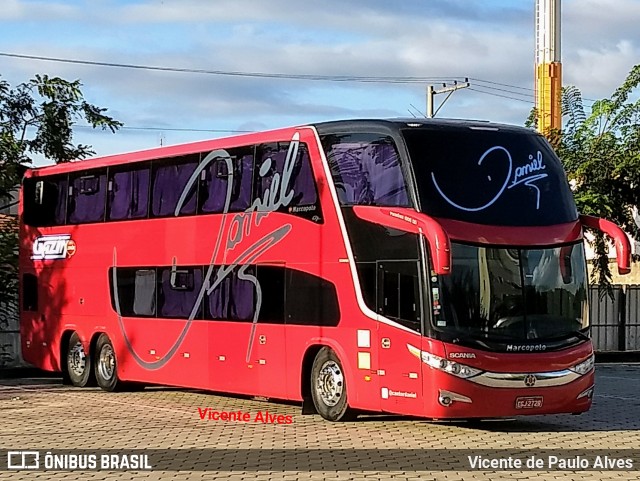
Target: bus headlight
460,370
585,366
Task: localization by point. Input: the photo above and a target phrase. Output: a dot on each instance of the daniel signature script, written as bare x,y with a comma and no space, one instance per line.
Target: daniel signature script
525,174
235,227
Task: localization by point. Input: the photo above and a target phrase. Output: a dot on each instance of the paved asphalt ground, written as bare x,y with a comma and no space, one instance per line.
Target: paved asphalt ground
41,414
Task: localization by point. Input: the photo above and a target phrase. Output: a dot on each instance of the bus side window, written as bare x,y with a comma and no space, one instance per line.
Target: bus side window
87,197
136,291
304,185
310,300
128,194
271,161
367,276
399,297
30,292
215,180
170,181
272,281
45,201
233,298
144,293
178,291
366,170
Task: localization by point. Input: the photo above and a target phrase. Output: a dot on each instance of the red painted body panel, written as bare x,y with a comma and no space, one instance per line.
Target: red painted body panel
74,296
514,236
620,238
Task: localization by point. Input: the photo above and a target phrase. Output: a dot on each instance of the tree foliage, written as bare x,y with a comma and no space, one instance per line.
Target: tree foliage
37,119
600,151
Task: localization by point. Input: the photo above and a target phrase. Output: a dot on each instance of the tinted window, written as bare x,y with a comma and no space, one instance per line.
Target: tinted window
272,286
233,298
286,295
136,294
128,194
29,292
283,172
311,300
87,197
45,201
224,166
525,294
178,291
366,169
489,176
170,183
144,292
399,295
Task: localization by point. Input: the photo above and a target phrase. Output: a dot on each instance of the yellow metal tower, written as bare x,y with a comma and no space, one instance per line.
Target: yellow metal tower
548,73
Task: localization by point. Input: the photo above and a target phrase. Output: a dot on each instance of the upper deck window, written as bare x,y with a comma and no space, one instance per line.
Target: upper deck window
283,177
169,183
489,176
366,169
128,194
87,197
45,201
237,168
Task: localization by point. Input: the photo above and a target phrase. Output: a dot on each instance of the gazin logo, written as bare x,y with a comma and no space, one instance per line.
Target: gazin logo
51,247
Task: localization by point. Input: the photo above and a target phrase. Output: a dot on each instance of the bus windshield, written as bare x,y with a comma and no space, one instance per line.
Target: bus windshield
497,293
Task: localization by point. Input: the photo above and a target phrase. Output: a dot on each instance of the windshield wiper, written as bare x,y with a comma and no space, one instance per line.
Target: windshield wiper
579,335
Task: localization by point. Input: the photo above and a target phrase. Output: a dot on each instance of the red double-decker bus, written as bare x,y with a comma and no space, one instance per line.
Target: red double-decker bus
422,267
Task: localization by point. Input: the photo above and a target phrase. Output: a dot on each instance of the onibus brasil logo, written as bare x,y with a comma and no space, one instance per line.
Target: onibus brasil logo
50,247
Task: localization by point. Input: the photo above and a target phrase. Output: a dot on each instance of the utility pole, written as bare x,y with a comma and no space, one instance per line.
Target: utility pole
548,69
431,93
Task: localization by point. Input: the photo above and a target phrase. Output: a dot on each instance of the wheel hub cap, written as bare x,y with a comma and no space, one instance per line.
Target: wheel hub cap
77,360
330,383
107,362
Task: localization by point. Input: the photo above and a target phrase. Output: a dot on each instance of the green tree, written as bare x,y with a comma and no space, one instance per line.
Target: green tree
37,119
600,151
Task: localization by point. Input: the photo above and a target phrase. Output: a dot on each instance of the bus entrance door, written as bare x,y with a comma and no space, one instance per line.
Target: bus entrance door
398,304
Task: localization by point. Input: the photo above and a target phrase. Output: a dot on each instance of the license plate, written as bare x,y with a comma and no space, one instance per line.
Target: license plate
529,402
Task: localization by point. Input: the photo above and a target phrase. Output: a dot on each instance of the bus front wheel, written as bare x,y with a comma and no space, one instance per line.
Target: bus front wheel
106,369
78,362
329,388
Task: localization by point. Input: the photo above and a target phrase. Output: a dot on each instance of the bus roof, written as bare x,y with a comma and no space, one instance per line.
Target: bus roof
353,125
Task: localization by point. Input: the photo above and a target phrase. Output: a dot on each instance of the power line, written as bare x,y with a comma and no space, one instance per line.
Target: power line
500,95
513,86
529,96
177,129
287,76
327,78
501,84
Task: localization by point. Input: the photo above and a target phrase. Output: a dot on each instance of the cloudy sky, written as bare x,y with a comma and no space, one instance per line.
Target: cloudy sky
489,41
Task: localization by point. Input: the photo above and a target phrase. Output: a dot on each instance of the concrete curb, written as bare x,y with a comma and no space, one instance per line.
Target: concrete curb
618,356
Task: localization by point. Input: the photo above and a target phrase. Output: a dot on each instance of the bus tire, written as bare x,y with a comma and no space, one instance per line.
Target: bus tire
78,366
329,387
105,367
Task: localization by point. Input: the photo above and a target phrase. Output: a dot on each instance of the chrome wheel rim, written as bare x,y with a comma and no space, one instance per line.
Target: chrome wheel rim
330,383
77,360
107,363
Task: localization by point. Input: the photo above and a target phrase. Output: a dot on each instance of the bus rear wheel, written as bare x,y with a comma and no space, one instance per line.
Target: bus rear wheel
106,368
329,388
78,363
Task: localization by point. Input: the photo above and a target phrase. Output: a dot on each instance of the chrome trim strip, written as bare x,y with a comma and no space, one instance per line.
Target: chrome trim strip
520,380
